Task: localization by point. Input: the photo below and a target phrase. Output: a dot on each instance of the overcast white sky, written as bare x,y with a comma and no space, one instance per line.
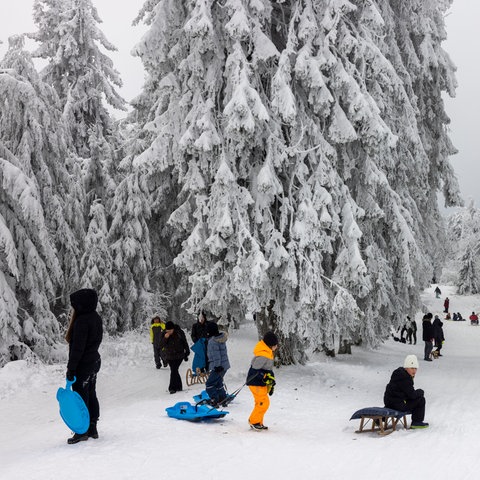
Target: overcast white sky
463,45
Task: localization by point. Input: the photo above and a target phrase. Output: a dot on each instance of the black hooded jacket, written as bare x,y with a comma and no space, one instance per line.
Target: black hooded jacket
87,333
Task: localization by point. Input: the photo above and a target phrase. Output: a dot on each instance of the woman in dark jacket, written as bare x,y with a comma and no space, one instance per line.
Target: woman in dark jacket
427,335
175,349
84,336
400,394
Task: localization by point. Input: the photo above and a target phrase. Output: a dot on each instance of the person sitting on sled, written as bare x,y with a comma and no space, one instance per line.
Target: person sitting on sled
401,395
260,378
217,363
473,319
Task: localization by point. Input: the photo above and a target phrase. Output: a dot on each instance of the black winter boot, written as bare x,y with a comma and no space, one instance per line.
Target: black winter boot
78,437
92,431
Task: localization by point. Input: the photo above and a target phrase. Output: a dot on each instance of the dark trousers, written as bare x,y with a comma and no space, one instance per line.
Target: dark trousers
214,386
428,349
412,334
175,384
416,406
157,355
85,386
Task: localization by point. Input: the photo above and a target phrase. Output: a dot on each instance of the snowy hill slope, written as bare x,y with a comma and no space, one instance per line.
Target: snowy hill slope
310,434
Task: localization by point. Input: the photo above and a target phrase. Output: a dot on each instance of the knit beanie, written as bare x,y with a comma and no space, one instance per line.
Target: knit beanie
270,339
410,362
169,325
212,329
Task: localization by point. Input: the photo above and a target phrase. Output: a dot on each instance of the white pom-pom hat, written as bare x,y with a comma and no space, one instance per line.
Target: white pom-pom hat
410,362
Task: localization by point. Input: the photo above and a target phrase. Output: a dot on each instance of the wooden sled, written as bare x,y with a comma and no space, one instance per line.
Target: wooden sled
381,420
195,378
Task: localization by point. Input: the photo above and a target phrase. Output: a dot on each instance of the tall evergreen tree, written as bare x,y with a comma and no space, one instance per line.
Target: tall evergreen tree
38,247
464,248
85,79
306,142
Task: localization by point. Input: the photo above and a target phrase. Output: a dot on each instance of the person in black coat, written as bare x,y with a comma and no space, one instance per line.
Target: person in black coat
427,335
84,336
175,349
438,334
401,395
199,328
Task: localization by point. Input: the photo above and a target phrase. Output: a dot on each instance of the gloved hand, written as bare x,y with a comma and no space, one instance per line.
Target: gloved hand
270,390
269,379
219,369
186,358
70,375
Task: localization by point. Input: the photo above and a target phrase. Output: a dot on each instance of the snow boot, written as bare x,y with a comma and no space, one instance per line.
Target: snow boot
419,425
258,427
77,437
92,431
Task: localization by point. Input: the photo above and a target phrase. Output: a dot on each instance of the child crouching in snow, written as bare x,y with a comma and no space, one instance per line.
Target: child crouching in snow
261,380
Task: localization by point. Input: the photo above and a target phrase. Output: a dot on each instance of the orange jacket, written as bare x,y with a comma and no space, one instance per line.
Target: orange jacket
261,364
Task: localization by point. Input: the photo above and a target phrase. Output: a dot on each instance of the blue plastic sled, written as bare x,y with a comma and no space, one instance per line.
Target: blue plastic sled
194,413
73,410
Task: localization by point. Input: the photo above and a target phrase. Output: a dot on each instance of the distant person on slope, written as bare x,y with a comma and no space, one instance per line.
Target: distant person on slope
427,335
438,334
438,292
260,378
400,394
84,336
446,305
473,319
411,331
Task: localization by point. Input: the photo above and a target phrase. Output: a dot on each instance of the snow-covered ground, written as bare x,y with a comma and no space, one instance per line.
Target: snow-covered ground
309,437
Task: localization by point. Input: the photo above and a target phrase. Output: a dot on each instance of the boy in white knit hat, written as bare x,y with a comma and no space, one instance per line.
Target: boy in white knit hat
400,394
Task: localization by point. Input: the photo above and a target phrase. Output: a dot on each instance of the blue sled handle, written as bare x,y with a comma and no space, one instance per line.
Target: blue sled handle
69,384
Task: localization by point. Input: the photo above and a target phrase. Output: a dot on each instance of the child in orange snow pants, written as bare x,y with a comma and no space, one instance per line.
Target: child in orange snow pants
260,378
262,402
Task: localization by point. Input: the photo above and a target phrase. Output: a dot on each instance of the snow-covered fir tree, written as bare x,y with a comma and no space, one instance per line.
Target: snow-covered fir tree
306,142
38,246
130,247
72,43
97,265
462,257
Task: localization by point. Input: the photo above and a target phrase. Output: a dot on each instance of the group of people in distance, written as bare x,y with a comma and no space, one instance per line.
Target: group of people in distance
170,342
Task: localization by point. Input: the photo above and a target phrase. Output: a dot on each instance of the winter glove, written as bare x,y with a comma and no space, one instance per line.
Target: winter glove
270,389
269,379
70,375
219,369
